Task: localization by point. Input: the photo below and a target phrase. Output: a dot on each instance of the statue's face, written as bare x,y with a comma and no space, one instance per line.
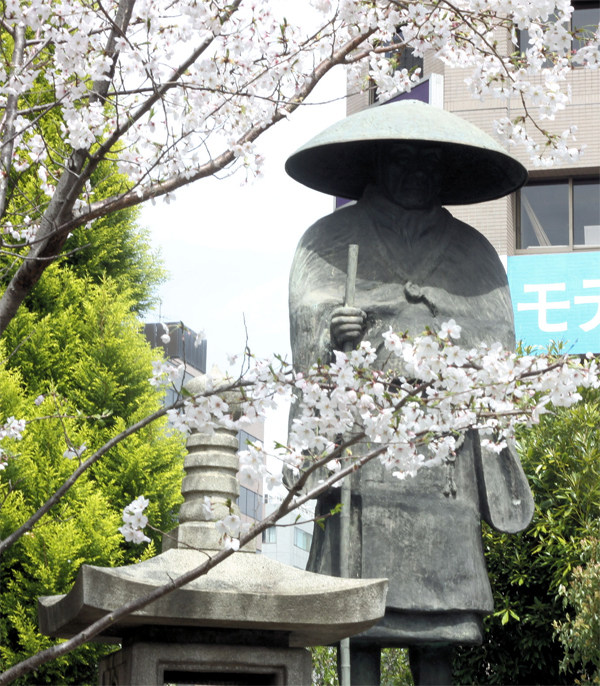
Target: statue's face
410,175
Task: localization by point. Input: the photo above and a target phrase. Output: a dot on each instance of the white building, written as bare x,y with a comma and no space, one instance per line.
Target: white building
289,541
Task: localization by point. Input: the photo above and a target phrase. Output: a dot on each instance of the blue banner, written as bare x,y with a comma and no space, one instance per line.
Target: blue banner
556,297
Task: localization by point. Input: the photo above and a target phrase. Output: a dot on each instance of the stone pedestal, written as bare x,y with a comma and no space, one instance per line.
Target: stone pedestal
201,663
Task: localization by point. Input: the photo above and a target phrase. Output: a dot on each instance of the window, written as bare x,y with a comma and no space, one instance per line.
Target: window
560,214
249,503
302,539
402,58
584,19
269,535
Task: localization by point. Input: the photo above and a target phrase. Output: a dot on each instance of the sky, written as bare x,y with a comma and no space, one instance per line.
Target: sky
228,245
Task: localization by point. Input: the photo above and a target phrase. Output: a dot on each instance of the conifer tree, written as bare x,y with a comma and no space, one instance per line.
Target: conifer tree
76,365
530,570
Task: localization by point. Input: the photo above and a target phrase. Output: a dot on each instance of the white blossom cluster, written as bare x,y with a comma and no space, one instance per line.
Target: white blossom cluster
190,81
166,373
414,413
134,521
432,392
202,414
71,452
12,429
253,469
231,528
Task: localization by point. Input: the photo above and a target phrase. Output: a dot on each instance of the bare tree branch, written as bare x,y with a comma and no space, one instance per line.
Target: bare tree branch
7,126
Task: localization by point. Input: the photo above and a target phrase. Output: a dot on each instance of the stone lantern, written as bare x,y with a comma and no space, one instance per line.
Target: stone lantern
247,621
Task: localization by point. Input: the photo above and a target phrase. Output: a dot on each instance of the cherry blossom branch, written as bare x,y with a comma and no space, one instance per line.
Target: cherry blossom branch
432,409
289,504
55,225
403,419
67,190
139,195
84,466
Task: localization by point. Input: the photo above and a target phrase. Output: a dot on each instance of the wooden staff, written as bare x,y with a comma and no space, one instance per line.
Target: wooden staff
346,494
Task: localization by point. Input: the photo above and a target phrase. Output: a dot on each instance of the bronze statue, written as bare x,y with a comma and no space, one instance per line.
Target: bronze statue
418,266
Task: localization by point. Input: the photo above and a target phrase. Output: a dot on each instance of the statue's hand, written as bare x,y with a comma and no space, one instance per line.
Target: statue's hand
347,326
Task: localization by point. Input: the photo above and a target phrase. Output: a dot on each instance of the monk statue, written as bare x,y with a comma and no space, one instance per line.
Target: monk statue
418,266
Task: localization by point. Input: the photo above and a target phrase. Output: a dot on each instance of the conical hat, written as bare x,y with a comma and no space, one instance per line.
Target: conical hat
341,159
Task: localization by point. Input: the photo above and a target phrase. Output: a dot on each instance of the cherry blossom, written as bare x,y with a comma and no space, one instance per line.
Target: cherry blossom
231,528
414,413
135,520
176,92
167,374
206,508
449,329
13,429
72,452
165,337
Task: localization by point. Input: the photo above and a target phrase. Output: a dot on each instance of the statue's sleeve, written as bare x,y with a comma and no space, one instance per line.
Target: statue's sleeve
316,288
314,291
506,500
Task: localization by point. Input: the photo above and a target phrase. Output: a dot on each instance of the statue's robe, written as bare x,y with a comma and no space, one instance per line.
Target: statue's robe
416,269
